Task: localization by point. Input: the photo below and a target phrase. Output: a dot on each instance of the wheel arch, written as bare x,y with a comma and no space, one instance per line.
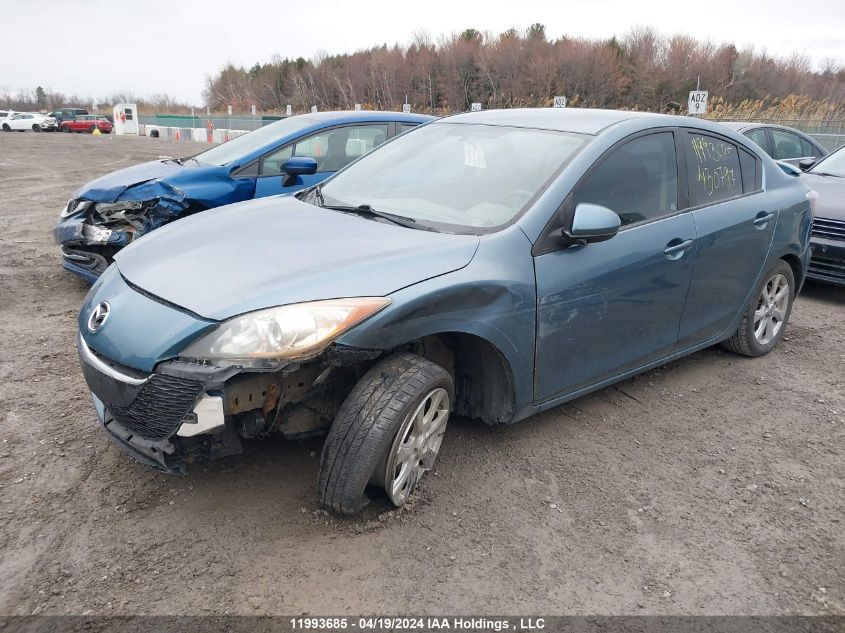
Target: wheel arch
797,269
484,383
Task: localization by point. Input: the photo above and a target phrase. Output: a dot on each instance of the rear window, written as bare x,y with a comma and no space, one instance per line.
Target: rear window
713,169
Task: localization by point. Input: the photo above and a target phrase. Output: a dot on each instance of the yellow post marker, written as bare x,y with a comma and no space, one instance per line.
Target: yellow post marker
96,132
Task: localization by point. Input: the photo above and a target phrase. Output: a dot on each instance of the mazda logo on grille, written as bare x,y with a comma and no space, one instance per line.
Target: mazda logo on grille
98,317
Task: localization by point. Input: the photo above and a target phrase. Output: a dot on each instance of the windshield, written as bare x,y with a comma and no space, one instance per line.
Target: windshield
833,165
466,175
244,145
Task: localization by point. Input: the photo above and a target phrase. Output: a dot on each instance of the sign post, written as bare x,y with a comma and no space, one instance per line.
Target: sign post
288,110
406,108
475,107
697,103
559,102
229,109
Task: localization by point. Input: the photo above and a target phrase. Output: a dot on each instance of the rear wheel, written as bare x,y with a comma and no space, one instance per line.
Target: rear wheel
766,314
6,127
92,128
66,128
387,434
35,128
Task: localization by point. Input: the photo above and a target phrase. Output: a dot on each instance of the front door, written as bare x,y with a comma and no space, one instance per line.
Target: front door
612,306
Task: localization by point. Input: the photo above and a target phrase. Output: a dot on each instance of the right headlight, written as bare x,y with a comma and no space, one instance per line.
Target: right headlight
295,331
73,207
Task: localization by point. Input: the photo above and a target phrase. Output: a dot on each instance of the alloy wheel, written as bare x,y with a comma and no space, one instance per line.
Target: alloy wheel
771,309
416,445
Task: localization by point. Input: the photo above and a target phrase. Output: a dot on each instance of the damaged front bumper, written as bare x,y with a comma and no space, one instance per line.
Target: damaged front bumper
164,419
188,410
90,237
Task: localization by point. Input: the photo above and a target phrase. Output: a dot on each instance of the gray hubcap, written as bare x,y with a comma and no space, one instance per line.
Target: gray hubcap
416,445
771,309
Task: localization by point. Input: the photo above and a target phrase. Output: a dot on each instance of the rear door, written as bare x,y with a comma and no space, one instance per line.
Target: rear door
734,227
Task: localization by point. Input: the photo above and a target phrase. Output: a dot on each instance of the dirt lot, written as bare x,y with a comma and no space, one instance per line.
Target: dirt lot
713,485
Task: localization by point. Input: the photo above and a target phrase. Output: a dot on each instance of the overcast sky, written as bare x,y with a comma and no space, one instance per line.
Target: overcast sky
98,47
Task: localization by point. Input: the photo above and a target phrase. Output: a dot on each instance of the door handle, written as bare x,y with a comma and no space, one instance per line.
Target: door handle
676,248
762,219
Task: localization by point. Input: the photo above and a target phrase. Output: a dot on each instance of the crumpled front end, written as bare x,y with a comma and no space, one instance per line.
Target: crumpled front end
90,233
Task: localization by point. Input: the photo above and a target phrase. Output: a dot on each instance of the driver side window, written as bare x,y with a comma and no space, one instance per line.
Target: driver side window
333,149
639,180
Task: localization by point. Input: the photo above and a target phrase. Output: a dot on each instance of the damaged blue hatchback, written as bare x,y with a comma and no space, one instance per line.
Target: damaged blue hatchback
110,212
491,264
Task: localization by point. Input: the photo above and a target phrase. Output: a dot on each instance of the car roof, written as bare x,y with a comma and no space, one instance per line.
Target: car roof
578,120
741,126
355,116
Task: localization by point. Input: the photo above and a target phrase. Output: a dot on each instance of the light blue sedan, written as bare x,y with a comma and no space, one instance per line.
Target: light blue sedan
491,264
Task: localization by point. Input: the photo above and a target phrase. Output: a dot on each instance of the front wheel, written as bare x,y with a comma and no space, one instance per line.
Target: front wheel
387,433
6,127
66,129
35,128
766,314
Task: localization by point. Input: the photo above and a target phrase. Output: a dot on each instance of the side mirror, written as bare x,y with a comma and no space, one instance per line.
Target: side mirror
300,166
592,223
805,164
788,168
297,166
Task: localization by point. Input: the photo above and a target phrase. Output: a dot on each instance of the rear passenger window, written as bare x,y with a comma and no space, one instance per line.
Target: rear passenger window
639,181
404,127
749,165
713,170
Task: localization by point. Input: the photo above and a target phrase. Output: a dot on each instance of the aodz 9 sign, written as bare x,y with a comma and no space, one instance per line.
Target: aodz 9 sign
697,102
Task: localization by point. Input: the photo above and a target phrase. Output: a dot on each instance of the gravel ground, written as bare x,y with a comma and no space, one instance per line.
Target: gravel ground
712,485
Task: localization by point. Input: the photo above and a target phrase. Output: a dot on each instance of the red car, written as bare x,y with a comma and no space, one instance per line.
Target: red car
87,123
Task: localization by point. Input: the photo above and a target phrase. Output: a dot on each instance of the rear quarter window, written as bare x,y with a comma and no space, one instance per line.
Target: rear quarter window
713,169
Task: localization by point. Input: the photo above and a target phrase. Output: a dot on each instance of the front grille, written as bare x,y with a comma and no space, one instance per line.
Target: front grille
829,269
829,229
158,409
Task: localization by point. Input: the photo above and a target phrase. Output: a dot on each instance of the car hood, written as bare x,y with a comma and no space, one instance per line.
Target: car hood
831,190
109,187
278,250
206,185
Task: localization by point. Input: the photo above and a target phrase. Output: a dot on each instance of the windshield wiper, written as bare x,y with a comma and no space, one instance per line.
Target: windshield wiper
367,211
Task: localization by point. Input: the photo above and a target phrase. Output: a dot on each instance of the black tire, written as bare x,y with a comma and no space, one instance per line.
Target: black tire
743,340
367,423
153,133
6,127
66,129
35,128
92,128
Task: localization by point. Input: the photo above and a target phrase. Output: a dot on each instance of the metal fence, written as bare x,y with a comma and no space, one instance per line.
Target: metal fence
830,134
235,122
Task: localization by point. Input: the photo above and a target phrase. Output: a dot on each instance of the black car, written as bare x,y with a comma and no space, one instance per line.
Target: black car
827,177
780,142
66,114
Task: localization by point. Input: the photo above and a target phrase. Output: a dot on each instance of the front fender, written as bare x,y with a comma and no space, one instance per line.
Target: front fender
486,299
